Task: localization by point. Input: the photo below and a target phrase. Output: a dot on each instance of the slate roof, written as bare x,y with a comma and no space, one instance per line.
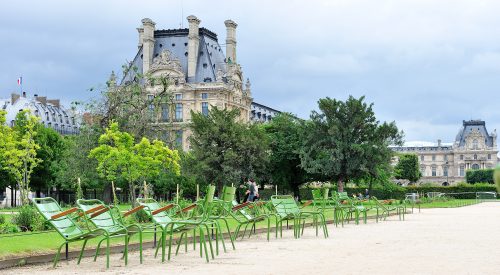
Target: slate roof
467,128
210,57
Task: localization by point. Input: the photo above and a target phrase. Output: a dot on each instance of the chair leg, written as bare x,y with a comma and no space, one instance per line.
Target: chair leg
81,252
126,249
202,236
229,233
140,246
97,249
179,243
58,254
210,242
107,252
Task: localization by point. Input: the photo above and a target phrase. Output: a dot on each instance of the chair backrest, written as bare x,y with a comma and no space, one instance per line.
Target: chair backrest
317,195
378,203
65,225
151,205
343,196
103,220
285,205
228,194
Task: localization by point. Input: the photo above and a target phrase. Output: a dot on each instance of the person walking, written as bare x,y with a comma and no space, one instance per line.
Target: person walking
251,190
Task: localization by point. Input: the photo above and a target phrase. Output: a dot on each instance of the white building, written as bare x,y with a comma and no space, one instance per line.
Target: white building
473,148
50,111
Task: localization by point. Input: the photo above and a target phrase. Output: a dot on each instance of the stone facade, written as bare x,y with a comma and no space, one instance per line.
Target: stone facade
473,148
262,113
201,76
50,112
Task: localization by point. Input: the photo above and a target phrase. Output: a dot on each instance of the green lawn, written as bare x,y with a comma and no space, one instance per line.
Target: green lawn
28,243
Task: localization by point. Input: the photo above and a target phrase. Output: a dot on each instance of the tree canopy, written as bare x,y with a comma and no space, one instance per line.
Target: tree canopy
344,140
408,168
227,151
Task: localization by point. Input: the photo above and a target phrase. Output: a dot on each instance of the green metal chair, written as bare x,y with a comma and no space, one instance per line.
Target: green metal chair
287,209
323,202
101,217
64,222
387,209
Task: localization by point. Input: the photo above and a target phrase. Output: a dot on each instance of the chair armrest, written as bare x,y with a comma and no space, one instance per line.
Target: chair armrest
92,210
186,209
99,212
130,212
306,204
161,209
239,206
64,213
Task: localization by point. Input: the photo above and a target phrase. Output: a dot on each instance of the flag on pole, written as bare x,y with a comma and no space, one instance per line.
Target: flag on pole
20,81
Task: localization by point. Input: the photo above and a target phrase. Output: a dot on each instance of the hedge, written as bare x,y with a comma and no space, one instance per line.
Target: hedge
396,192
482,175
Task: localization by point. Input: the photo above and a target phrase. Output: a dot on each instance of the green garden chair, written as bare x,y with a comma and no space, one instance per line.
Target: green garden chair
387,209
164,220
64,222
352,207
323,203
287,209
101,217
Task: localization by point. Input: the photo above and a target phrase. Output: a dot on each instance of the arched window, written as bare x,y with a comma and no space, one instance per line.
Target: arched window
475,144
475,156
475,166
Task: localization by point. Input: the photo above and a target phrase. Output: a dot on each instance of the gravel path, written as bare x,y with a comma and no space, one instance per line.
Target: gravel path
436,241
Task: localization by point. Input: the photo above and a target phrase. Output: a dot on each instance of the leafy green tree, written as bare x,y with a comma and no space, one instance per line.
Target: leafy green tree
408,168
285,135
342,137
74,162
51,151
480,175
226,151
120,158
19,151
6,146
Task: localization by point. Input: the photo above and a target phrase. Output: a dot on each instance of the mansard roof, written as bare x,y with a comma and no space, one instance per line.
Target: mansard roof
210,56
473,125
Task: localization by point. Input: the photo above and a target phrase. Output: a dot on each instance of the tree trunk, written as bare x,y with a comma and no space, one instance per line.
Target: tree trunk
132,193
370,185
340,185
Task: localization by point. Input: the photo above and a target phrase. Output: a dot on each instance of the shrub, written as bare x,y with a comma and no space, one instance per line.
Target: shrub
2,219
8,228
28,219
482,175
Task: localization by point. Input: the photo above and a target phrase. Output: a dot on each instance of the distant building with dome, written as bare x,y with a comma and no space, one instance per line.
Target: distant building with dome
445,164
50,112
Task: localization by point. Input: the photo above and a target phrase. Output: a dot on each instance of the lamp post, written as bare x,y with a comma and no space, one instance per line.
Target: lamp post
447,172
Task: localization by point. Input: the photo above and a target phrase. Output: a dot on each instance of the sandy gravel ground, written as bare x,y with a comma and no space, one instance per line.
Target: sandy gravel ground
436,241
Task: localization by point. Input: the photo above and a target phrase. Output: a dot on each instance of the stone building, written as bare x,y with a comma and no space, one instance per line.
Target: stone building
50,112
473,148
202,75
262,113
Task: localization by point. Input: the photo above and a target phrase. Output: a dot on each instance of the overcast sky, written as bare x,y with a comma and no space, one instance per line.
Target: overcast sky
428,65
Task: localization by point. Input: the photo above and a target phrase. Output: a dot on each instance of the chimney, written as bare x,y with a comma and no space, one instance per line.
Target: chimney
54,102
148,43
231,40
41,99
141,37
24,94
439,143
14,97
193,45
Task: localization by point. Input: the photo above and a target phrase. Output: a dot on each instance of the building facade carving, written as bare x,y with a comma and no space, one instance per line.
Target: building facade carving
473,148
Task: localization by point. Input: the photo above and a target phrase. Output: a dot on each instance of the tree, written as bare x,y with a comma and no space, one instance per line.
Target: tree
119,157
226,151
345,141
19,153
479,176
51,151
129,105
408,168
285,135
